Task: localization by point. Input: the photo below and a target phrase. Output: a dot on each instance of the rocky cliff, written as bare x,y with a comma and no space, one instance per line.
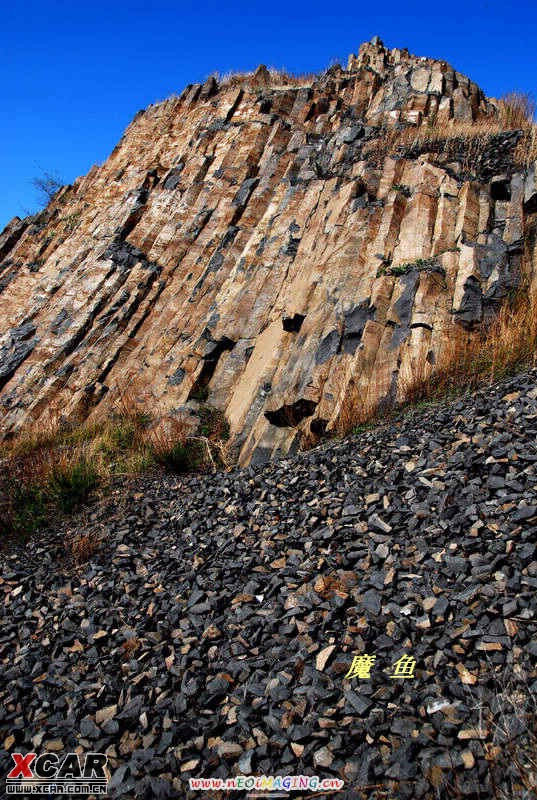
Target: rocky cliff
256,243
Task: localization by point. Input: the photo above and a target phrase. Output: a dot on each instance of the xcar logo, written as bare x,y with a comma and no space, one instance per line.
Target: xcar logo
46,774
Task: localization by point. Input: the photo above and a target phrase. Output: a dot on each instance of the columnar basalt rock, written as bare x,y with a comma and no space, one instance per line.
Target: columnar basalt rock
238,239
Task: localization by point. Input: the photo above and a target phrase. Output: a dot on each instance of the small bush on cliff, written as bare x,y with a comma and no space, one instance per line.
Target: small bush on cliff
47,184
214,425
419,264
401,188
41,481
180,457
22,507
71,482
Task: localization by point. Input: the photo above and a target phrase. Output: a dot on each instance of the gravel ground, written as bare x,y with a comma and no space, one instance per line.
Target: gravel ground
211,632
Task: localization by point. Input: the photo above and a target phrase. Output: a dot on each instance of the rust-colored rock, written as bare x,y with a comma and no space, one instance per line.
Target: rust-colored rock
250,241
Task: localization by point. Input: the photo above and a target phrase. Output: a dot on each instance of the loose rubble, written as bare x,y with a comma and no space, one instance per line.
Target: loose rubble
211,633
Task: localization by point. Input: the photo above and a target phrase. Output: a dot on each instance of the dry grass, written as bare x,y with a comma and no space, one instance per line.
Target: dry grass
526,150
49,476
130,646
54,467
503,346
278,77
286,78
82,547
335,584
509,714
515,111
355,412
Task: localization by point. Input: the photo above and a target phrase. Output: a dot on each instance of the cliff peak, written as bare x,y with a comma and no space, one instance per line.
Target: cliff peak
285,248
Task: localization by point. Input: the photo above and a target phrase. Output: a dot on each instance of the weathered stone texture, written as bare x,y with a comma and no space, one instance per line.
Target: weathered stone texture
235,238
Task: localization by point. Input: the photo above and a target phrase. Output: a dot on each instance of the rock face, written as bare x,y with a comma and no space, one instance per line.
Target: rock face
241,242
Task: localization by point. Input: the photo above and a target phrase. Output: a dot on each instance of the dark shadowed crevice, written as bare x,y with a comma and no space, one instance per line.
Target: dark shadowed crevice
135,215
530,205
423,325
8,271
500,189
173,179
318,426
328,347
321,106
242,197
19,344
354,325
130,223
210,362
235,105
403,308
11,235
470,311
289,416
294,323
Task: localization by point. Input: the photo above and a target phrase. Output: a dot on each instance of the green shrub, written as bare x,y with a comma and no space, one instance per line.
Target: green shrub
122,434
199,393
180,457
28,508
71,483
420,264
406,191
213,425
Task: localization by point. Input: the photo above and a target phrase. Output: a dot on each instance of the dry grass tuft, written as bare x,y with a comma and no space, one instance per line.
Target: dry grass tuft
83,547
278,78
130,646
355,412
504,345
168,442
526,150
515,111
54,468
510,714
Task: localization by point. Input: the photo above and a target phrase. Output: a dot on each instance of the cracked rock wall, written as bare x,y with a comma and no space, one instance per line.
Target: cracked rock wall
239,242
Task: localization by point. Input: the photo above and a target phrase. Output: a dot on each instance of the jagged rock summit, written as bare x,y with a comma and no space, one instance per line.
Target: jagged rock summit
253,242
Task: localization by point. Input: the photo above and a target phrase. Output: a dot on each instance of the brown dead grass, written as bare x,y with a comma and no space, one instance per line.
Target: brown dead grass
130,646
526,150
53,467
515,111
355,411
335,584
83,547
502,347
278,77
506,344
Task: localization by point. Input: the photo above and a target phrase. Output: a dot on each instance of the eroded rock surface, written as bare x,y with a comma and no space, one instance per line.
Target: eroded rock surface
211,632
237,240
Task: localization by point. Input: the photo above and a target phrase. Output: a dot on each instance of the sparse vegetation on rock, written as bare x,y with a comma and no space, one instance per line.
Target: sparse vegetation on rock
51,470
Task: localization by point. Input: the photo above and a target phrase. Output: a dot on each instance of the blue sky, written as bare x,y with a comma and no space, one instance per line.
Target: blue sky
73,74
